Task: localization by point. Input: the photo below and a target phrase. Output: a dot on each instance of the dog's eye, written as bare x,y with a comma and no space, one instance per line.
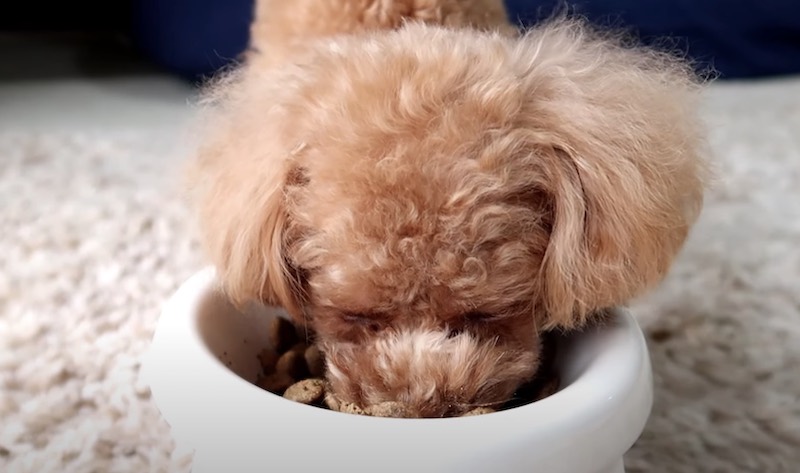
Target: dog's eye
454,332
477,317
469,321
367,321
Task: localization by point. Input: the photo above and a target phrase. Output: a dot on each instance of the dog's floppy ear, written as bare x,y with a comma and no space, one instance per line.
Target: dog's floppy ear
237,184
620,148
244,226
614,232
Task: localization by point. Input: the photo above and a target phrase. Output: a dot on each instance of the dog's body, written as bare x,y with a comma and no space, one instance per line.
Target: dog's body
281,28
428,199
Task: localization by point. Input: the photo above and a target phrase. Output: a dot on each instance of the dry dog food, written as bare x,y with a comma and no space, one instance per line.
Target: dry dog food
295,370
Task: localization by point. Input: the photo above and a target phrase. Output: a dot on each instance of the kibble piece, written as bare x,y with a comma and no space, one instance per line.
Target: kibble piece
350,408
307,391
478,411
315,361
390,409
335,404
276,383
293,364
282,334
268,358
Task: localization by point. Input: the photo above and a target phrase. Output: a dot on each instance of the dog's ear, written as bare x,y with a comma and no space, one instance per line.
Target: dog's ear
620,156
244,226
238,185
615,229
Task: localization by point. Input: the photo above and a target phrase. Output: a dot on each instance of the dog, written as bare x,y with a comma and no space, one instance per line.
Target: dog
428,199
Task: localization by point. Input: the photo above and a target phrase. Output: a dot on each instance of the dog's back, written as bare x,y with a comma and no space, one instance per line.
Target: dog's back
280,27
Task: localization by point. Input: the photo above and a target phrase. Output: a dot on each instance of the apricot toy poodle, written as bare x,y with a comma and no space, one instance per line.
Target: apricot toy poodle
428,192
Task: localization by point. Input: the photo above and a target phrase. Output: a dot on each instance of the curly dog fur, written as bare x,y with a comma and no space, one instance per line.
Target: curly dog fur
428,198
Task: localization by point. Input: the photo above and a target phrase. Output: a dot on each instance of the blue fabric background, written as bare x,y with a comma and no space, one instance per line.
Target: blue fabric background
738,38
193,38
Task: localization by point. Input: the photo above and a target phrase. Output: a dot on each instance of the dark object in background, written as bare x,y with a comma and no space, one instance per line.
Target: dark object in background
56,16
193,38
739,39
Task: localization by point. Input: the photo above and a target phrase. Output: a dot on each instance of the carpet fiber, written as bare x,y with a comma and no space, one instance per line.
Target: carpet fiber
93,238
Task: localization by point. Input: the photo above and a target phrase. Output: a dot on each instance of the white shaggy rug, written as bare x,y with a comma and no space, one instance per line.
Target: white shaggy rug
93,238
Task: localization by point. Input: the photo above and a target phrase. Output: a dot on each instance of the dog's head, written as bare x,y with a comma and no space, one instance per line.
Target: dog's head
429,201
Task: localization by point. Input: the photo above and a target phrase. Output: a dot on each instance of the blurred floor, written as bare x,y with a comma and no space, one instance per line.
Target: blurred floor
73,82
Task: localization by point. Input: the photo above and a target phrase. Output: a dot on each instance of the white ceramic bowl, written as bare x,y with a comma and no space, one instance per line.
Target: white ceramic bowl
202,364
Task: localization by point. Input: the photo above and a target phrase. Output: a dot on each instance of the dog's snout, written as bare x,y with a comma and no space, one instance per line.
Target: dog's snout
437,372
